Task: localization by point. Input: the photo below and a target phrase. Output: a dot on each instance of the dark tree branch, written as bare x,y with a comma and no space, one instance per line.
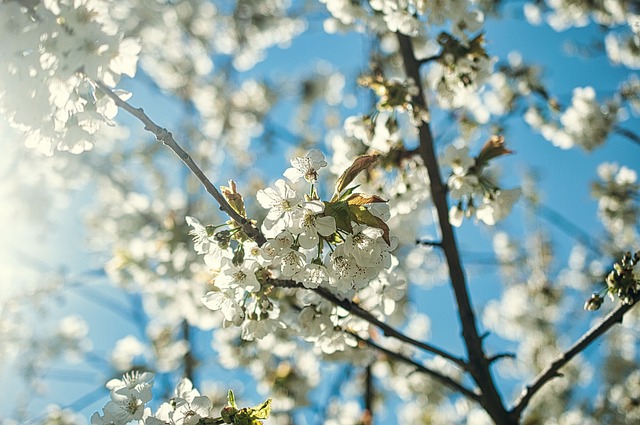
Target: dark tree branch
580,345
437,376
478,364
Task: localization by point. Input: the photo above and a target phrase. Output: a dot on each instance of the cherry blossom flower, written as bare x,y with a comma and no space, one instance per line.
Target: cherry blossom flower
291,262
281,203
225,301
242,276
312,276
128,397
311,223
306,167
362,244
258,329
201,239
458,159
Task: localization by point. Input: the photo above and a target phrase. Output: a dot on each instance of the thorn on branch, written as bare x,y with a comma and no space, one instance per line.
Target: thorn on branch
484,335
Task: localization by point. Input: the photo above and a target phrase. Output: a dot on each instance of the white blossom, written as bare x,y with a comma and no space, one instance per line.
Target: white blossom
306,167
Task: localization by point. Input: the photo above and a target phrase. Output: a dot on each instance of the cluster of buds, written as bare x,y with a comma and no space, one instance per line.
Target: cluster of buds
623,281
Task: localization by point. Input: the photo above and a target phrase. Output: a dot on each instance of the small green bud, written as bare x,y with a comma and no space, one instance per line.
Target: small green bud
211,229
238,256
593,303
223,238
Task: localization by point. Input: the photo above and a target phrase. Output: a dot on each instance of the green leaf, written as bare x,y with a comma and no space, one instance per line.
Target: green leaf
348,193
339,210
360,164
231,399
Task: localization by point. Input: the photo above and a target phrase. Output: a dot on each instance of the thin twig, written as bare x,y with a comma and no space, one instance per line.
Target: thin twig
430,59
444,380
580,345
628,134
428,243
497,357
164,136
568,227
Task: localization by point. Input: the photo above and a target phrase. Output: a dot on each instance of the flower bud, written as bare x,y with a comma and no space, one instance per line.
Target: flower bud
593,303
223,238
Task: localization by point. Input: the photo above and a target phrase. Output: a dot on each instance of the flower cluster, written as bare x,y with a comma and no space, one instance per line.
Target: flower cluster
624,50
585,123
630,92
130,394
477,195
462,67
52,54
563,14
409,17
338,245
622,282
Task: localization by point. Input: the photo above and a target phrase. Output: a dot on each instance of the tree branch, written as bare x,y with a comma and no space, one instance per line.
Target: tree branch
580,345
437,376
358,311
478,364
568,227
164,136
